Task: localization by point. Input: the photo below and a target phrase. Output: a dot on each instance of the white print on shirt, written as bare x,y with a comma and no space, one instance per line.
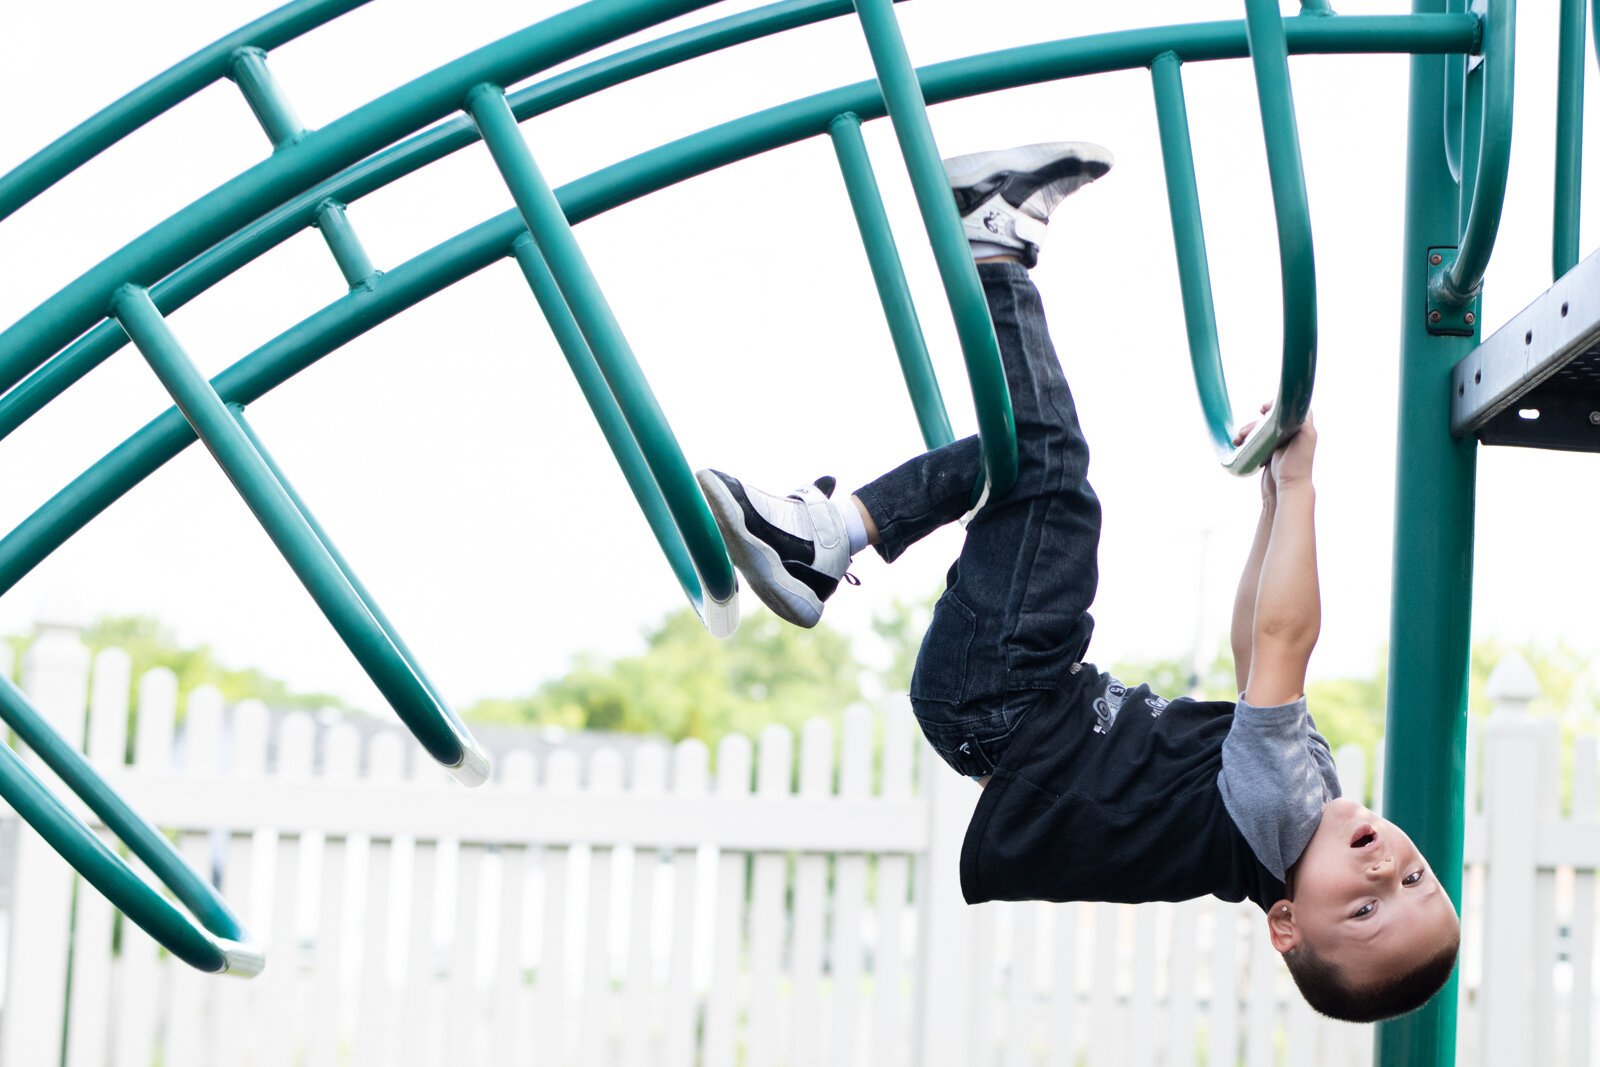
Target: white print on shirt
1157,705
1106,707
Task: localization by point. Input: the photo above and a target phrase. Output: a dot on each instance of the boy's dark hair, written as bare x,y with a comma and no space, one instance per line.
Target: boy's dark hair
1324,987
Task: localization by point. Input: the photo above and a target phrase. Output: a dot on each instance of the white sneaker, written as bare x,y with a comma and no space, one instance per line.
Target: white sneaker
1005,198
792,549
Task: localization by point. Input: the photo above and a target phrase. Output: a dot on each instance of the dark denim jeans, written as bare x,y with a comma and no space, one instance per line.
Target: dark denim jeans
1013,621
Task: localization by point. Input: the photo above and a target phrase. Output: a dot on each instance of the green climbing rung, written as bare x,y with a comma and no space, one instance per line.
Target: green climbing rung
304,548
902,96
890,278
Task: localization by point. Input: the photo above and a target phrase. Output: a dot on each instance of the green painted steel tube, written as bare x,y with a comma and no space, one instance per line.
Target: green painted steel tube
272,109
890,278
1269,56
455,133
542,214
908,112
220,943
1063,59
1189,239
409,283
431,720
159,95
1431,612
1573,55
635,469
1461,283
367,600
319,155
334,225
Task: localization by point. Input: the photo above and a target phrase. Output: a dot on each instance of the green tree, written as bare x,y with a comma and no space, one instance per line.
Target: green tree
149,644
689,684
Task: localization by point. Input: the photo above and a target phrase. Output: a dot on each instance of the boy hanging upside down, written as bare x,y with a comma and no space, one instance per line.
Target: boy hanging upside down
1094,790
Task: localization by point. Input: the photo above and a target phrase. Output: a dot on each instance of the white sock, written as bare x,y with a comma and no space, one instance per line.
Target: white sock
854,528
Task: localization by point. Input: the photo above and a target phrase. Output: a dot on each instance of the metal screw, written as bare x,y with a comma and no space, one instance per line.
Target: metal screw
1434,316
1436,259
1469,318
1594,418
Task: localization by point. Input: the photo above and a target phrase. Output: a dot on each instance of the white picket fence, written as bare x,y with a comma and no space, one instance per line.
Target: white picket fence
654,911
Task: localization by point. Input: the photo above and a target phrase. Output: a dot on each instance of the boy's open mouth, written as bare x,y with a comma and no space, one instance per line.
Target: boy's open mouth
1364,836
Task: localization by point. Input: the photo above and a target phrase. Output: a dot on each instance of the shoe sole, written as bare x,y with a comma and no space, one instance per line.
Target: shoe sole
968,170
790,600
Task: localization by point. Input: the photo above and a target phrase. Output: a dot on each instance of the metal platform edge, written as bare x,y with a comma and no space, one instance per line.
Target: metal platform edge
1561,323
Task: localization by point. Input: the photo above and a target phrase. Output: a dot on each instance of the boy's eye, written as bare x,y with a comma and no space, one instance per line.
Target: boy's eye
1365,909
1413,878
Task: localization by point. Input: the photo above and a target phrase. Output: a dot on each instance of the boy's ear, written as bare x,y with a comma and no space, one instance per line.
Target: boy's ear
1281,928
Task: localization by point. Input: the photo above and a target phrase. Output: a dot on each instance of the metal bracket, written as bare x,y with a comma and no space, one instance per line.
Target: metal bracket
1555,415
1447,319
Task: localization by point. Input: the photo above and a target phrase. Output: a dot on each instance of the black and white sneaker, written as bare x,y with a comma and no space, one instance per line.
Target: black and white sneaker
1005,198
792,549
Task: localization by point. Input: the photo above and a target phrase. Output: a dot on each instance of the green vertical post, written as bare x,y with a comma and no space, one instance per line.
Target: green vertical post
1430,622
1569,138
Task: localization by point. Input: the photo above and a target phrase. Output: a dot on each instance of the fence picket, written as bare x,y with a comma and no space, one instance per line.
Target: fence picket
639,1025
1545,958
605,780
733,781
510,1034
1182,975
890,1041
279,982
188,1031
341,753
461,1026
850,892
1103,988
1585,808
378,1005
1224,1014
553,1036
419,1019
774,760
981,985
237,1018
810,890
1141,998
689,779
136,973
1061,1035
1261,1016
1019,1026
91,994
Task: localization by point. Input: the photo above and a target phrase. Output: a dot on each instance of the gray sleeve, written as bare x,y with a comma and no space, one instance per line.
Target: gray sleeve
1277,773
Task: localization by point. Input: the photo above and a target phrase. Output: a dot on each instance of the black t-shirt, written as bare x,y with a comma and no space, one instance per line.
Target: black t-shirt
1107,793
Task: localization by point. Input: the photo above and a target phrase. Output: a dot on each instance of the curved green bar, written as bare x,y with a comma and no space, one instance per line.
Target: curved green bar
1062,59
541,212
218,944
909,113
322,153
1189,240
1269,56
159,95
603,405
1488,187
455,133
425,715
253,376
890,279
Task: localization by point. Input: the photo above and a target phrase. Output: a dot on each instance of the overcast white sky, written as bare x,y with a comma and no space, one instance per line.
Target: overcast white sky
451,456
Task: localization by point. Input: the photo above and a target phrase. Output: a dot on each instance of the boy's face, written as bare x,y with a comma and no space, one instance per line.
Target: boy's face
1364,897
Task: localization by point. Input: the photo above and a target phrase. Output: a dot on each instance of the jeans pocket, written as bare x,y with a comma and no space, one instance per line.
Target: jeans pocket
941,670
971,746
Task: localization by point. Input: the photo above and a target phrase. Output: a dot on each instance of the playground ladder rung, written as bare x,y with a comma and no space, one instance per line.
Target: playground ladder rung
283,127
1545,362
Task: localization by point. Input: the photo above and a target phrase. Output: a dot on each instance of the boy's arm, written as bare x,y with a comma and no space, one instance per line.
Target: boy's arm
1242,633
1288,607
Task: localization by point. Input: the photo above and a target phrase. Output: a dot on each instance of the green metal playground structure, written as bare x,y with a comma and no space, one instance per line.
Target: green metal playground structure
1456,391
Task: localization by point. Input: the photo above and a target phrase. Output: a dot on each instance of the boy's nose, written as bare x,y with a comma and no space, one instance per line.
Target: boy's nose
1382,867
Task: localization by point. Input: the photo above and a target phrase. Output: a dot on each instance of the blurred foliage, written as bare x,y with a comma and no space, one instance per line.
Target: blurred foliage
149,644
687,683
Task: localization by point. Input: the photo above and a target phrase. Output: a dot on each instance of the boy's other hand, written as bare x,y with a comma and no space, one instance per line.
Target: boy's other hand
1292,461
1269,484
